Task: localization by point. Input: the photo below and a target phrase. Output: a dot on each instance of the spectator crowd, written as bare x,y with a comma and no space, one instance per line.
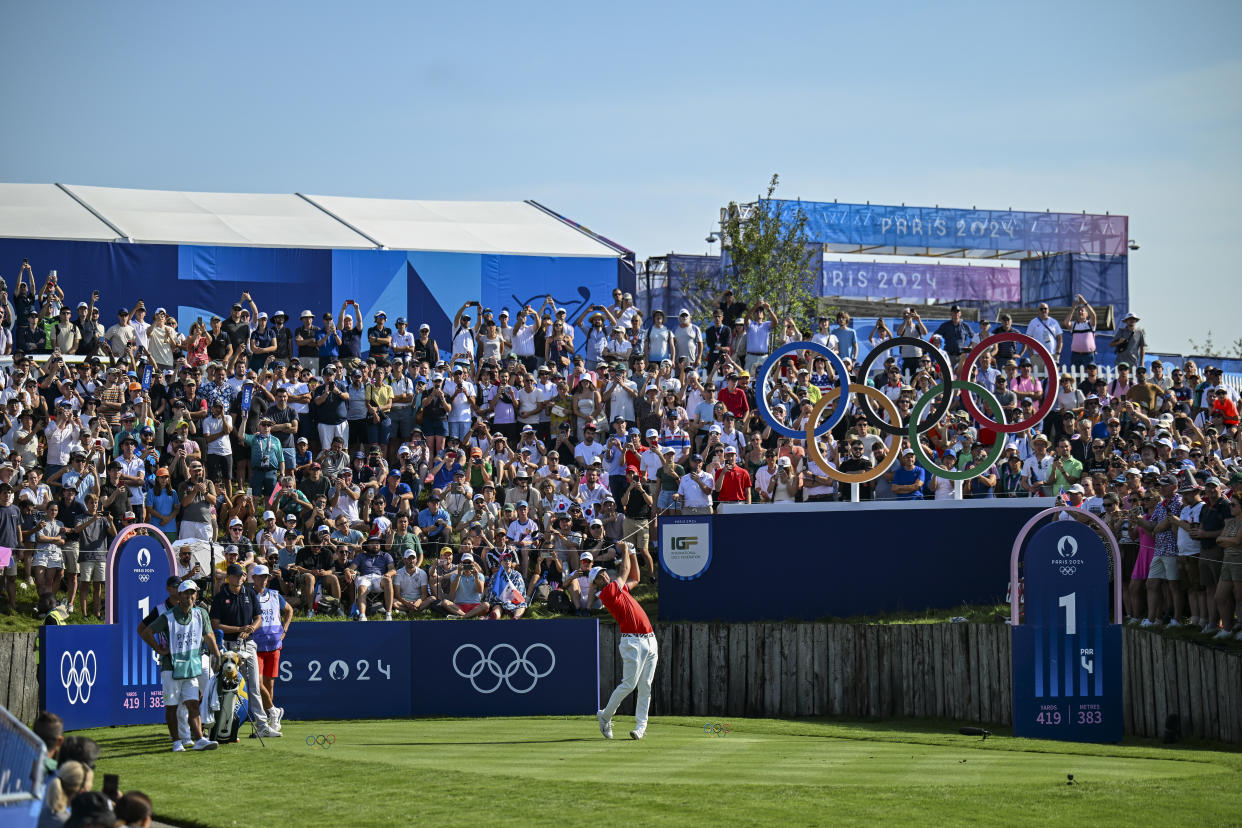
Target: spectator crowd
373,470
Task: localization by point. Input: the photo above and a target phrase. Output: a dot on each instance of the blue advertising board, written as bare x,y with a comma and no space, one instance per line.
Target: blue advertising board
842,560
1066,655
342,670
530,669
137,569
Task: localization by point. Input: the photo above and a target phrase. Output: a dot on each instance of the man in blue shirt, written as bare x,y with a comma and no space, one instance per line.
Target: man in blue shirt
435,523
908,480
955,334
847,337
395,492
374,570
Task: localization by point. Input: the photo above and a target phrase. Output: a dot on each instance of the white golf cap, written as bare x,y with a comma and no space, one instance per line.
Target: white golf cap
236,522
269,515
188,586
586,556
1076,489
467,558
259,569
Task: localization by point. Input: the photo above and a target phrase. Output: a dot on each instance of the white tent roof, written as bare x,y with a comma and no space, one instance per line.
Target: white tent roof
513,227
249,220
49,211
44,211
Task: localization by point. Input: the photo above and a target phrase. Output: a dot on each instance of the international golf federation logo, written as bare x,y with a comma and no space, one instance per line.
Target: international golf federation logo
144,558
683,543
1067,547
503,665
77,675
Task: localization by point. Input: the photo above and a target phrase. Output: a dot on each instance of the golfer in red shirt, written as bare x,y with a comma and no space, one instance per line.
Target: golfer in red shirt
638,645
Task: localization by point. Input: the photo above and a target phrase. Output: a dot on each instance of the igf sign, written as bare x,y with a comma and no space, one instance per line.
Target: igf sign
1066,655
686,545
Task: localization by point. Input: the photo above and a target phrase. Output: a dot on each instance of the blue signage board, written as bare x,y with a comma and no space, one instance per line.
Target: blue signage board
538,668
343,670
78,680
1067,669
942,228
137,571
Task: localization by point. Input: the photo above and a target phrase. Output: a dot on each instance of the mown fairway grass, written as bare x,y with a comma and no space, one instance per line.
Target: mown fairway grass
524,771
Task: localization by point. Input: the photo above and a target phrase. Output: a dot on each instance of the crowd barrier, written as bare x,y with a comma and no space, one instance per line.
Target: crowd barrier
343,670
808,561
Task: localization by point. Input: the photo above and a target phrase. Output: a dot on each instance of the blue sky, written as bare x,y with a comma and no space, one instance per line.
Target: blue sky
642,119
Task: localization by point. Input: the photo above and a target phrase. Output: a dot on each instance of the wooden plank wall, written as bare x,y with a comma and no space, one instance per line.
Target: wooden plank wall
951,671
19,688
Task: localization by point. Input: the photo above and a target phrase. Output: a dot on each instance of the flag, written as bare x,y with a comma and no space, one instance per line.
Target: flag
275,491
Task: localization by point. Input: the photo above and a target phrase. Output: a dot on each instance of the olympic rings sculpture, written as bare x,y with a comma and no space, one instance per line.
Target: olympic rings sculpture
942,394
323,741
716,729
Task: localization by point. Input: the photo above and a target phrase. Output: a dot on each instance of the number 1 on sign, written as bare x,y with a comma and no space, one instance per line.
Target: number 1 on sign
1070,602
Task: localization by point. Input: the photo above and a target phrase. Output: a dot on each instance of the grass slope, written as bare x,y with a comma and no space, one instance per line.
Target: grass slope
549,770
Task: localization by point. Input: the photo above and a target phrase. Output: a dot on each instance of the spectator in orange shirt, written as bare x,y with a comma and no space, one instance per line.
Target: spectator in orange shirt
1228,408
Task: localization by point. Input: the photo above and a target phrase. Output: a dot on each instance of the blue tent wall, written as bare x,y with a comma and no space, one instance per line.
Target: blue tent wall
193,281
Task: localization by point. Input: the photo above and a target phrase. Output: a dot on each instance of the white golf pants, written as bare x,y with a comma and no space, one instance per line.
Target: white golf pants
639,656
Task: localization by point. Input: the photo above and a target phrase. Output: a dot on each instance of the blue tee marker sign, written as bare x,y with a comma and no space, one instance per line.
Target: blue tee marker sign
1067,656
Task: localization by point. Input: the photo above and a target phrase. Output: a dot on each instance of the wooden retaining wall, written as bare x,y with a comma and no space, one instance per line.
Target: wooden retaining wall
951,671
19,665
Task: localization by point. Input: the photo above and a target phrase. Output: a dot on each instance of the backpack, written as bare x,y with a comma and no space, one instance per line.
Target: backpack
559,603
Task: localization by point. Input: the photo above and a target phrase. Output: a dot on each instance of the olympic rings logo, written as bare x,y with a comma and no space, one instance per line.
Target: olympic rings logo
716,729
322,741
941,395
77,675
519,665
1068,570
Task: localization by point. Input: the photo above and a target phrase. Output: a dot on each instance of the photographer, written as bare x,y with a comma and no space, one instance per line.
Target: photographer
436,524
95,533
374,570
732,482
267,458
465,585
314,566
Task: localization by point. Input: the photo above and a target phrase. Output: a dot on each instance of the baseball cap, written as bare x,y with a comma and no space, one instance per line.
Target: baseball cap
259,569
189,586
587,556
269,515
234,569
1076,489
467,558
236,522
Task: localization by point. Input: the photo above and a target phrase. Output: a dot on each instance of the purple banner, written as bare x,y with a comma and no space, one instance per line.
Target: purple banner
921,281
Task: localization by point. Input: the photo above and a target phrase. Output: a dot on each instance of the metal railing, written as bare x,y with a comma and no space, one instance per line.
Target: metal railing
21,762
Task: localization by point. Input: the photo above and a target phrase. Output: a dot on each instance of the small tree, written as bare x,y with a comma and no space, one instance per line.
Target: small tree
1208,347
769,256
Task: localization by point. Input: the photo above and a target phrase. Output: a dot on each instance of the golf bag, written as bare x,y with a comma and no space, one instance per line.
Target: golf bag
233,700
